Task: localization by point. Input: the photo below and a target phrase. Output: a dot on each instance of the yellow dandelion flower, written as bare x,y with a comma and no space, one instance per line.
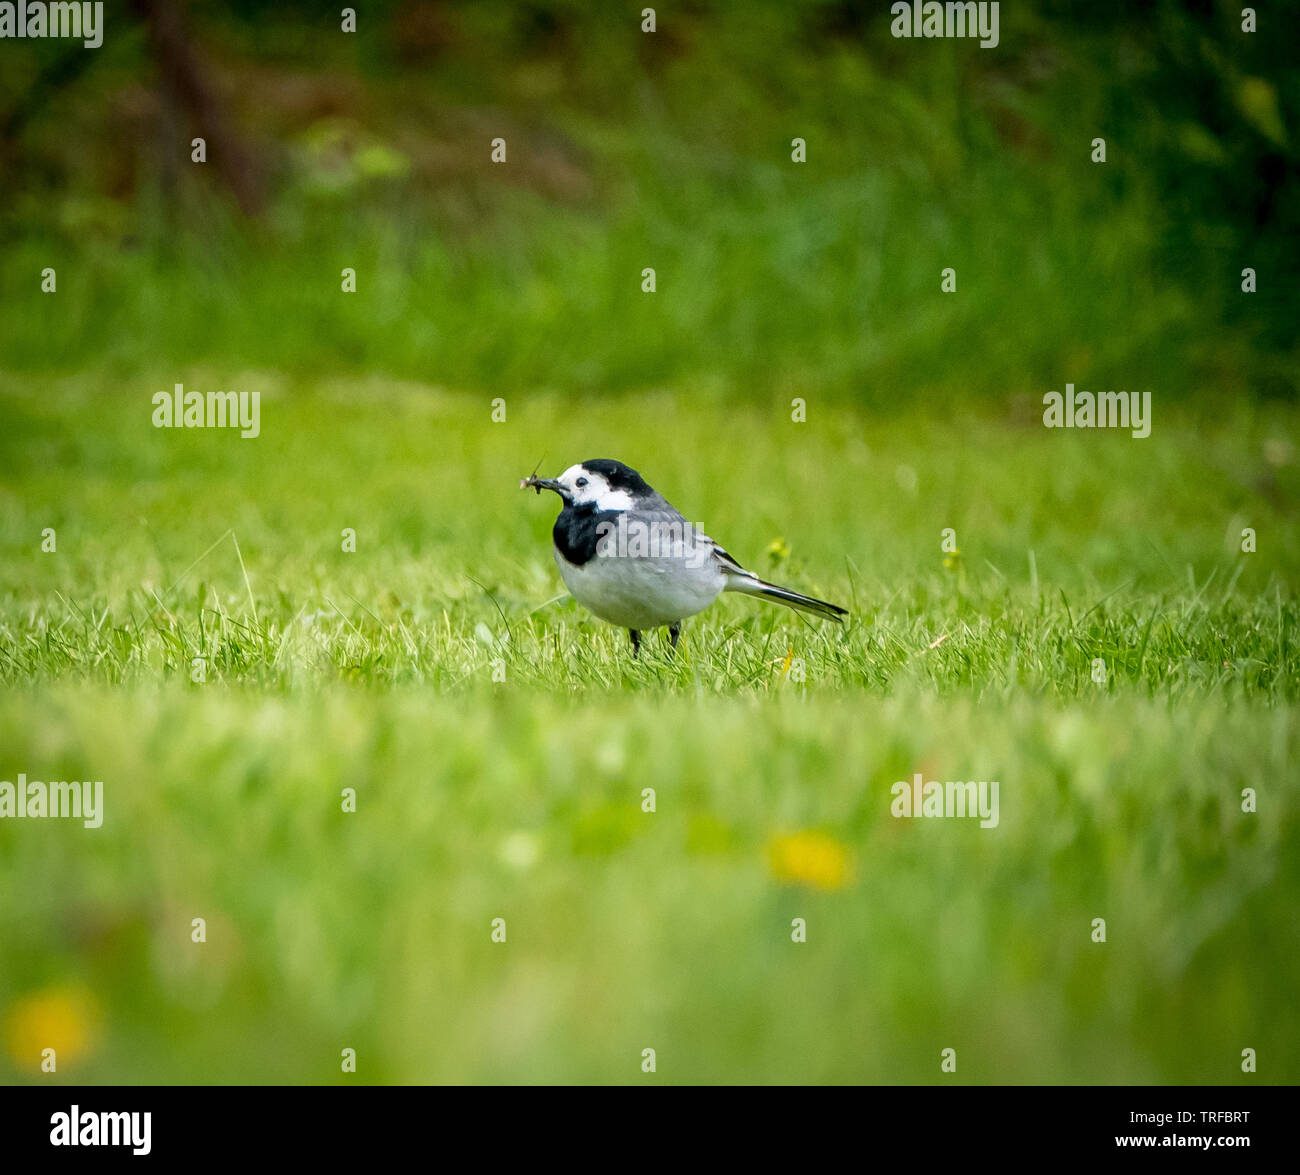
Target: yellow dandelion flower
810,858
64,1018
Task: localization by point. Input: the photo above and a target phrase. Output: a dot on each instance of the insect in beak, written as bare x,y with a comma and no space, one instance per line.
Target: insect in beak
532,481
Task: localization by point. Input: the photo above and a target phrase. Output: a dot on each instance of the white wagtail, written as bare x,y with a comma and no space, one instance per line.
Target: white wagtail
629,557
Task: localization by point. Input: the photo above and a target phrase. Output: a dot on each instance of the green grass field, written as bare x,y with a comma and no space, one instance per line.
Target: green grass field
499,741
1099,643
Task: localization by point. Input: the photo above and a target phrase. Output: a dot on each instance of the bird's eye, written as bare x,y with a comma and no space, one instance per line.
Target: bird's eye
582,481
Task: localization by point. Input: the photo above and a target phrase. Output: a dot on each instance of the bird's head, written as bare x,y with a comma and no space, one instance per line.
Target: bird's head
600,483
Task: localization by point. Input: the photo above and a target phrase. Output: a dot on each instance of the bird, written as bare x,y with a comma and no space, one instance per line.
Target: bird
633,560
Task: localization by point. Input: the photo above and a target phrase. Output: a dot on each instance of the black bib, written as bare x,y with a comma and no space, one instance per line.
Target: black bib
577,531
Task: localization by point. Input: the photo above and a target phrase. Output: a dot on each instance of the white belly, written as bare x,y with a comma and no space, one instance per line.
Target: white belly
642,592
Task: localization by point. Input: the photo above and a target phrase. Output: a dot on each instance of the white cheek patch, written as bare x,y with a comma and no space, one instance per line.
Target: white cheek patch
597,490
610,499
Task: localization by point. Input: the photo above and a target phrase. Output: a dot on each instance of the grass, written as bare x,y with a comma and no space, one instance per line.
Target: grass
628,930
164,555
820,277
1099,643
499,742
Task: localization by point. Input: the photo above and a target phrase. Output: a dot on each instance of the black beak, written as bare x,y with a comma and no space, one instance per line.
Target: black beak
543,483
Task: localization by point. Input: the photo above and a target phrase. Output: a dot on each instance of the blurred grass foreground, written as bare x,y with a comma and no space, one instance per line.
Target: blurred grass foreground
372,783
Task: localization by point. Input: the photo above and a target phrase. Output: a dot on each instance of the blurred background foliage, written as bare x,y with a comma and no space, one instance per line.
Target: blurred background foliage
668,150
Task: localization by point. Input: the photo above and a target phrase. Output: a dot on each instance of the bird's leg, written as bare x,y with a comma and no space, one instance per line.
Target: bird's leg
674,631
636,641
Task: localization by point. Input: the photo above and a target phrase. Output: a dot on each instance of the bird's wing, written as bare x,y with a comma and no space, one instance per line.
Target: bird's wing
672,530
728,564
662,514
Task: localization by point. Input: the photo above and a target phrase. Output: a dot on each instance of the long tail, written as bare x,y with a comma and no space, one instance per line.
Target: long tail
751,585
